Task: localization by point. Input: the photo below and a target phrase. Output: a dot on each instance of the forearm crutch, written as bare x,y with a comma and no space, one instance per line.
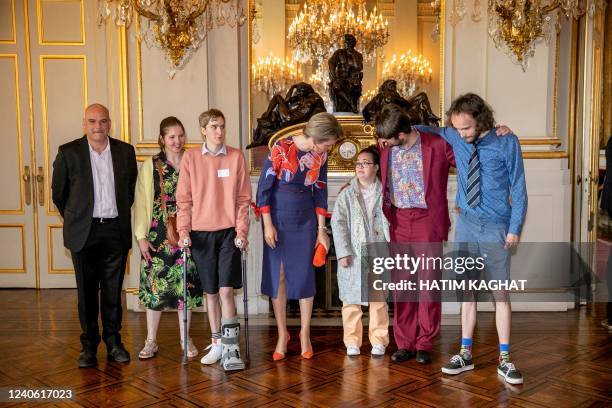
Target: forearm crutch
245,300
185,334
245,296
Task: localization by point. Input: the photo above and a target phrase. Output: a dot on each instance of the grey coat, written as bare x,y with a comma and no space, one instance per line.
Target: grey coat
351,229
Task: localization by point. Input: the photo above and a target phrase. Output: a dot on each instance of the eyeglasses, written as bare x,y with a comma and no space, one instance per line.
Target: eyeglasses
363,165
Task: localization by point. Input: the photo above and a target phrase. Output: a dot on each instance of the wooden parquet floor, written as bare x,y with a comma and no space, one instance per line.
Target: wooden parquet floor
566,359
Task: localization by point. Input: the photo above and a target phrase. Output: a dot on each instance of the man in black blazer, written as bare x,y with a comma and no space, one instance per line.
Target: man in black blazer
93,188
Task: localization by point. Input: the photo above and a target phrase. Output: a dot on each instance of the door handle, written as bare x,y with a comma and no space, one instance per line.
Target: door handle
40,178
26,184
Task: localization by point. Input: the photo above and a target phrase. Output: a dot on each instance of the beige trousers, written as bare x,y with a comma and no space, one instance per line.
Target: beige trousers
378,331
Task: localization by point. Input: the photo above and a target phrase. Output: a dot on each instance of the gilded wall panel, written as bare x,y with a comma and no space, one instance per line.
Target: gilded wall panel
64,97
7,22
10,154
61,22
13,248
59,258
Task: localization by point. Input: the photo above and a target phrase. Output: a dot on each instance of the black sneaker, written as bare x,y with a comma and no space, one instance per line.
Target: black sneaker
458,364
509,372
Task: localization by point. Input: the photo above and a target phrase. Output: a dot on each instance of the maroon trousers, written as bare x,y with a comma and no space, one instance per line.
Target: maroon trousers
417,315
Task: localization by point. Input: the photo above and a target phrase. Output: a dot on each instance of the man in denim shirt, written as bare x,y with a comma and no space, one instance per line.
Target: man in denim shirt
492,199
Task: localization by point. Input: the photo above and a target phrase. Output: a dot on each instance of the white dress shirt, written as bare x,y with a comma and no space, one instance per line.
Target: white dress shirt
105,202
222,150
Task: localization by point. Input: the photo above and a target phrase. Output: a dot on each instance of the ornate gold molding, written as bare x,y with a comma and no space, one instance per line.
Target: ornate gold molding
124,90
45,125
545,155
544,141
50,269
595,118
425,10
13,39
41,35
556,84
43,92
21,227
442,39
607,79
139,85
26,19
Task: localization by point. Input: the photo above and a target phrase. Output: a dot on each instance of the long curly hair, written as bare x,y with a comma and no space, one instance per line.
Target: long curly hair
475,106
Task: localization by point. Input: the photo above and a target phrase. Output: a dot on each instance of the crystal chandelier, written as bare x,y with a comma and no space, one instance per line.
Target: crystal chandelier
177,27
272,75
409,70
367,97
436,5
517,26
320,83
317,31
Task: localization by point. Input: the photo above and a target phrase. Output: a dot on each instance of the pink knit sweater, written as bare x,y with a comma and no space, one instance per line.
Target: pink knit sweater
213,192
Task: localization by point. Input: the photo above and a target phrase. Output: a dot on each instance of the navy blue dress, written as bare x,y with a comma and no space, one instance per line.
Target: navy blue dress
293,189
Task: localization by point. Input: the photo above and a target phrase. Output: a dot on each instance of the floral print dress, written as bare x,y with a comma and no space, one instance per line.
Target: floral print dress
161,282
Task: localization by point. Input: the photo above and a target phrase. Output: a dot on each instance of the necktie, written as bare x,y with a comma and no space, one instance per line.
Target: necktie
473,189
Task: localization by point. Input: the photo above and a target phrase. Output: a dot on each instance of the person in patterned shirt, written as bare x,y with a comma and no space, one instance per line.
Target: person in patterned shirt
414,170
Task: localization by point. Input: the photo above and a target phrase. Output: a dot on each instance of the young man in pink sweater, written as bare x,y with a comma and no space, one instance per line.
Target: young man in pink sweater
213,198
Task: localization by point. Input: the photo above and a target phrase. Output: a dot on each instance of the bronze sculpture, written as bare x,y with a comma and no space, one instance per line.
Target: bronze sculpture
345,76
300,103
417,106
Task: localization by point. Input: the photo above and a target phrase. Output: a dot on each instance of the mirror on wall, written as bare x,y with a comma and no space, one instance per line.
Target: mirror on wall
309,56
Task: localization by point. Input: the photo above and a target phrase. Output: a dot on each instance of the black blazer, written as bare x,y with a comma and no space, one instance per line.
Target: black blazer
73,189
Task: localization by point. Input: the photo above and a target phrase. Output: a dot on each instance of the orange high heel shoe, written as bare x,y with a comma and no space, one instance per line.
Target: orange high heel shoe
306,354
276,356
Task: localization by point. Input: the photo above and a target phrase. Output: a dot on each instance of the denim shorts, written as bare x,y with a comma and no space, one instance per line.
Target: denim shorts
478,237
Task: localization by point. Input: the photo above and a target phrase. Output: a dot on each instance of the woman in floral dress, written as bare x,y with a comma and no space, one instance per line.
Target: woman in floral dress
292,198
161,270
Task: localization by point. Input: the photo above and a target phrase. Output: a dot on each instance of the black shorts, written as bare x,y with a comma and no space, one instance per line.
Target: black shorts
217,259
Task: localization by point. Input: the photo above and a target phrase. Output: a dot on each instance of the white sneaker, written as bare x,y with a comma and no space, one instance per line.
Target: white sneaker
213,355
352,351
378,350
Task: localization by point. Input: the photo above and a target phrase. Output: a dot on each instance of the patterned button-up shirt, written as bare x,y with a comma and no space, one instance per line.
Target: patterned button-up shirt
406,173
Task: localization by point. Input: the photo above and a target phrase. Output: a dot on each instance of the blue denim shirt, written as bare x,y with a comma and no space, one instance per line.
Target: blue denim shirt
503,193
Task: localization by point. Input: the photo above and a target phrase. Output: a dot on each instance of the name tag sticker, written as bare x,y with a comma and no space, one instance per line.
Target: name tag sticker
223,173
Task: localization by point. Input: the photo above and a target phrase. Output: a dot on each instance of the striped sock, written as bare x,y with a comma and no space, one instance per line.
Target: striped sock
466,347
504,352
216,337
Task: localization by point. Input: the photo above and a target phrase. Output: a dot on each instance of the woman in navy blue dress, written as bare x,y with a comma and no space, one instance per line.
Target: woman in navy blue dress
292,198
